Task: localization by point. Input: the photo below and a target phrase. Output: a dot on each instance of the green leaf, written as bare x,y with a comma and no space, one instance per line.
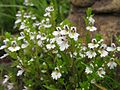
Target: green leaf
51,87
89,12
7,34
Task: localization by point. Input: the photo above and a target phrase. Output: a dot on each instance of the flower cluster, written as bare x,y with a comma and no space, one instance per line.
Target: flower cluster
62,36
91,22
54,56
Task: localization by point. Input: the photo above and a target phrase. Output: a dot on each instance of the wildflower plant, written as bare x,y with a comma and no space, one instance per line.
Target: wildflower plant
50,56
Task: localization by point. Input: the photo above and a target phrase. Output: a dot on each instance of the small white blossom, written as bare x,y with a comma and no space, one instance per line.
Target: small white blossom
101,72
93,81
47,14
73,34
3,47
88,70
14,47
25,44
28,3
56,75
103,53
91,28
63,32
112,48
50,46
118,48
49,9
82,55
63,43
66,27
91,20
22,26
39,43
10,86
91,54
18,21
47,25
5,55
32,35
92,45
6,79
111,64
20,72
25,88
22,36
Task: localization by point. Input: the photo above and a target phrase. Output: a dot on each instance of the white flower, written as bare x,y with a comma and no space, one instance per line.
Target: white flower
20,72
63,43
25,88
112,48
112,64
73,34
88,70
25,44
93,81
101,40
63,32
33,17
6,79
103,53
57,33
92,45
39,43
5,41
43,37
49,9
101,72
5,55
22,36
83,48
66,27
82,55
3,47
38,36
118,48
32,35
14,47
19,14
47,14
47,25
91,28
56,75
50,46
18,21
22,26
91,54
63,46
91,20
10,86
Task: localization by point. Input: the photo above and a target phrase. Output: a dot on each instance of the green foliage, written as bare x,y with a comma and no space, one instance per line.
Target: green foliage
49,55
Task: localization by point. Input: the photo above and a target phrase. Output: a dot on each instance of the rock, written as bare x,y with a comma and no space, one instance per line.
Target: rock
107,17
108,24
83,3
106,6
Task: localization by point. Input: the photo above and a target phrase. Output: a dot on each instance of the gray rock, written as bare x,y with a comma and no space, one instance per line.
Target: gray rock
108,25
83,3
106,6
